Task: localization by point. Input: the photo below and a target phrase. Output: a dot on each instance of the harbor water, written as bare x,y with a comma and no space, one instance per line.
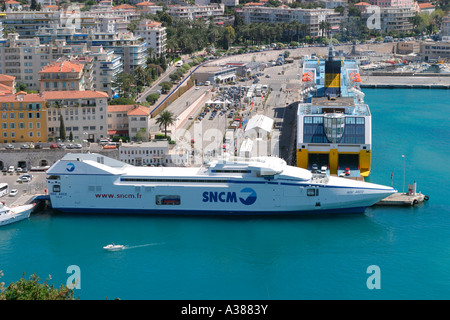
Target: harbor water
290,258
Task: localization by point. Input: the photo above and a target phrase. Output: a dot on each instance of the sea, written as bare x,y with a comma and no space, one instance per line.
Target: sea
386,253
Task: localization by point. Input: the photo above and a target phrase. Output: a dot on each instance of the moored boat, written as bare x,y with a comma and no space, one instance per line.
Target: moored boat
93,183
14,214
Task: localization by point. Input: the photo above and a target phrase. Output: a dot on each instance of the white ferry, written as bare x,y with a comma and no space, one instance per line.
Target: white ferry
95,183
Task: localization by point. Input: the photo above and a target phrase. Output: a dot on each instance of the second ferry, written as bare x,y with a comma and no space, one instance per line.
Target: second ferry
334,126
93,183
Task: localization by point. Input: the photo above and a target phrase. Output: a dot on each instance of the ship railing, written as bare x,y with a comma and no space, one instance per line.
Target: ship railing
321,178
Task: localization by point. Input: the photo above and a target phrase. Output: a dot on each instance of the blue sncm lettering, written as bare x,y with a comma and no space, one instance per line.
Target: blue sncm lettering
228,197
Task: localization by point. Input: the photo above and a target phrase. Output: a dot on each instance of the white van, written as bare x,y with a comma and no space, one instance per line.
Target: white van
207,83
179,63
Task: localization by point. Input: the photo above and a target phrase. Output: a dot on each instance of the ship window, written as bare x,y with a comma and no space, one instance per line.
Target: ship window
91,188
312,192
53,178
170,200
56,188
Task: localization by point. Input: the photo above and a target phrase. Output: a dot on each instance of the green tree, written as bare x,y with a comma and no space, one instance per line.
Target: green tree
71,136
31,289
165,86
165,119
152,98
62,128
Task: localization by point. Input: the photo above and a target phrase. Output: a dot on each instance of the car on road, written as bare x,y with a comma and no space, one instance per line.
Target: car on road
191,118
197,88
13,192
9,146
27,176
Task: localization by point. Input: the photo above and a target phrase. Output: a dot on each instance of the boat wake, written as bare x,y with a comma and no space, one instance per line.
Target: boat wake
143,245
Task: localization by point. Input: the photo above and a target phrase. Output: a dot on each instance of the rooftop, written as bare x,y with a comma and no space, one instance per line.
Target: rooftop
75,94
64,66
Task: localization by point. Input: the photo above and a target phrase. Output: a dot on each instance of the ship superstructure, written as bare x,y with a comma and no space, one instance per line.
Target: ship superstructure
334,127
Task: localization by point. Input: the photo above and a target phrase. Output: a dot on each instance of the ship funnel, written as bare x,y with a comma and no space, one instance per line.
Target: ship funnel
332,73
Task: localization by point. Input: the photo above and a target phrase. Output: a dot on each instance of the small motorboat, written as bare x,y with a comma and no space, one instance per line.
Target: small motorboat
14,214
114,247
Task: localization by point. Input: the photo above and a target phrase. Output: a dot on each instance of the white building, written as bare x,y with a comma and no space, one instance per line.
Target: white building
145,154
193,12
83,112
154,35
310,17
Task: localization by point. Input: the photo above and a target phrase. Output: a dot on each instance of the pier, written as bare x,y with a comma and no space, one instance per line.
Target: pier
403,199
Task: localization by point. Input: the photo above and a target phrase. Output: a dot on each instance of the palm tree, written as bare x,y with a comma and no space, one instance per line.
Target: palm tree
165,119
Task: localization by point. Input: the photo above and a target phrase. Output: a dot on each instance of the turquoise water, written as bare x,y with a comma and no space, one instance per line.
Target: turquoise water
269,258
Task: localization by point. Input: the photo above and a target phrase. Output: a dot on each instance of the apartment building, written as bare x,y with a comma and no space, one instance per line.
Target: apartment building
64,75
106,65
444,33
310,17
84,114
194,12
130,48
154,35
23,118
27,23
129,120
394,18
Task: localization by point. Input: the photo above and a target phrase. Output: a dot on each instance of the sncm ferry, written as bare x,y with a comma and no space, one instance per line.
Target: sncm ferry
96,183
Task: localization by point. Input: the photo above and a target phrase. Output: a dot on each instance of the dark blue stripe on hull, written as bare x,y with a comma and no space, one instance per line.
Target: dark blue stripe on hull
209,212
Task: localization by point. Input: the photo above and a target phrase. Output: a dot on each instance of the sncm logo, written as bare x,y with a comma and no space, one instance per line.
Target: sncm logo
70,167
227,197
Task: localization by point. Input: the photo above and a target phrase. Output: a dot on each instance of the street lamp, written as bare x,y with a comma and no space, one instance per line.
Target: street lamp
404,169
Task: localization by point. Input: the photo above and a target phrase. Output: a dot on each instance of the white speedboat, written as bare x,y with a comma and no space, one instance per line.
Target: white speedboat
114,247
9,215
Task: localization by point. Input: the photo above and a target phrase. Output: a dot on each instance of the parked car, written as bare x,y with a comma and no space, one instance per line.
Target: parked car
9,146
78,146
25,146
27,176
11,169
53,146
13,192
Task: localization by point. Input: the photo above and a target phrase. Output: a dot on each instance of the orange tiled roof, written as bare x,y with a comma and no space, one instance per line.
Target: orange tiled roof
73,94
425,5
64,66
32,97
362,4
254,4
139,111
4,77
123,6
145,3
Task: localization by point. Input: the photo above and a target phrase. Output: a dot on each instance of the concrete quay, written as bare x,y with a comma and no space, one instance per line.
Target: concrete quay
408,82
403,199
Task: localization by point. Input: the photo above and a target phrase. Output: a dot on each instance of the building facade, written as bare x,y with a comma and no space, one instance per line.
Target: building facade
23,118
154,35
84,114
